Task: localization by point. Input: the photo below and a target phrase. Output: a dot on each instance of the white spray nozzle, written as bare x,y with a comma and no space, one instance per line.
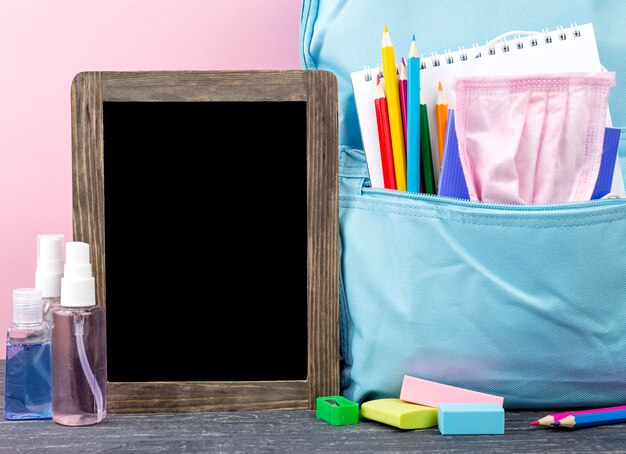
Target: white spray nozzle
27,306
49,264
78,285
77,259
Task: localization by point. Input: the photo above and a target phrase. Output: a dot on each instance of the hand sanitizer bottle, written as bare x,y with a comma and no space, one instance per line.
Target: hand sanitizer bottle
79,387
28,381
49,272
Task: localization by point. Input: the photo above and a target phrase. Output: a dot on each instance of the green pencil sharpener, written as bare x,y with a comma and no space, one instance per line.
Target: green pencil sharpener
337,410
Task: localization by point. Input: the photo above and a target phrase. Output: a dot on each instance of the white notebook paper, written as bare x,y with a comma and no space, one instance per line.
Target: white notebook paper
564,50
364,85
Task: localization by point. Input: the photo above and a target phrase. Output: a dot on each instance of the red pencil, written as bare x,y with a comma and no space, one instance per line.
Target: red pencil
384,135
402,88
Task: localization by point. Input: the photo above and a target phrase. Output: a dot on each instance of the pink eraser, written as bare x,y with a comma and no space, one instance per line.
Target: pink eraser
431,394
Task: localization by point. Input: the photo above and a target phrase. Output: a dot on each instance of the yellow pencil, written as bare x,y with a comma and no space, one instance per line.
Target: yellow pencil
395,114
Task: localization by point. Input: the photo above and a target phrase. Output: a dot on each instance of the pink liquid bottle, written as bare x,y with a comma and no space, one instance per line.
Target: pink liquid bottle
79,386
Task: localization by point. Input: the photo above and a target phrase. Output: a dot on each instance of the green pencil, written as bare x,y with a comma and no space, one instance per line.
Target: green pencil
426,151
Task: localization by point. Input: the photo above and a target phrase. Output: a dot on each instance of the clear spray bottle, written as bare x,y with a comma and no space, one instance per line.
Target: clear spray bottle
49,272
79,387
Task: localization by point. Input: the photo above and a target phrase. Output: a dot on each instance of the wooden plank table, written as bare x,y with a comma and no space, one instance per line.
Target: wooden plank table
288,431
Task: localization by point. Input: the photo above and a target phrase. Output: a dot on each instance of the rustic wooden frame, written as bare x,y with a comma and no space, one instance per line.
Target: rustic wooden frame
319,90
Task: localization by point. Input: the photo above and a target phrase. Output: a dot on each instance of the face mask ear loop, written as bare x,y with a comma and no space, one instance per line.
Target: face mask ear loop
84,362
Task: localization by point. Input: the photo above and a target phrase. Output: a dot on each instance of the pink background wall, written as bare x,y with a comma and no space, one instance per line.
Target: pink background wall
43,44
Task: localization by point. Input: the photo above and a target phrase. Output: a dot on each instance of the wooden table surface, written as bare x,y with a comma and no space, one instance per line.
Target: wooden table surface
288,431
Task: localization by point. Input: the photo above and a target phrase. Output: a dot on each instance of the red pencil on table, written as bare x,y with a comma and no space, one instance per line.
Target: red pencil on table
384,135
403,85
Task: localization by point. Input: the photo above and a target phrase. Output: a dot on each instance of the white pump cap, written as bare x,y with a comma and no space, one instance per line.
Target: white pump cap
49,265
27,306
78,287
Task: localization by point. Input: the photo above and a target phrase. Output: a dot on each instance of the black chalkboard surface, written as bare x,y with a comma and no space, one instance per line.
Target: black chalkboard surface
184,185
174,172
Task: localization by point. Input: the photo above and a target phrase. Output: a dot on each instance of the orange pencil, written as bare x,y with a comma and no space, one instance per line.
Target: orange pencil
384,135
441,112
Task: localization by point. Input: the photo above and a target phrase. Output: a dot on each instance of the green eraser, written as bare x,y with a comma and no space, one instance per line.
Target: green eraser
337,410
399,413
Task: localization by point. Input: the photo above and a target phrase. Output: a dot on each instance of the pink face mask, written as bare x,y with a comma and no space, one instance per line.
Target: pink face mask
532,139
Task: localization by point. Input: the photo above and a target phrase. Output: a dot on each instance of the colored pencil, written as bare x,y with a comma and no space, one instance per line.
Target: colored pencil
549,419
441,113
592,419
426,150
402,89
413,181
393,107
384,135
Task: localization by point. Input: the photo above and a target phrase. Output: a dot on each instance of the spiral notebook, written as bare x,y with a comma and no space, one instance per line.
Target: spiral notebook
364,86
564,50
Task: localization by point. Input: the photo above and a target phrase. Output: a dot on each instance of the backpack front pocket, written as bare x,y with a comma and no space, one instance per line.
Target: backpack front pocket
526,302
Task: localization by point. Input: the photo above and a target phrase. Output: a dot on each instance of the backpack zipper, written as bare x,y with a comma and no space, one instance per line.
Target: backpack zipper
615,200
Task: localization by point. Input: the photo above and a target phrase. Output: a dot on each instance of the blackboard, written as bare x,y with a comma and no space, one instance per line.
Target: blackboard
209,182
173,165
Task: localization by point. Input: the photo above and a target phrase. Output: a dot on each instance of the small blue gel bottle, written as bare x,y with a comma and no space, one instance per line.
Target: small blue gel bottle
28,387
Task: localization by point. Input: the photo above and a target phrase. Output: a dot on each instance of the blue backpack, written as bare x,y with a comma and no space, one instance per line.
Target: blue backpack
526,302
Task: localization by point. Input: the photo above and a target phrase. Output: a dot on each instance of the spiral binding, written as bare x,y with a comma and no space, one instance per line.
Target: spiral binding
449,57
371,73
518,43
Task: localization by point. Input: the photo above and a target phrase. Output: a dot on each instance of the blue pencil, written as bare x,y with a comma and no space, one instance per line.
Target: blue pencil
413,120
592,419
